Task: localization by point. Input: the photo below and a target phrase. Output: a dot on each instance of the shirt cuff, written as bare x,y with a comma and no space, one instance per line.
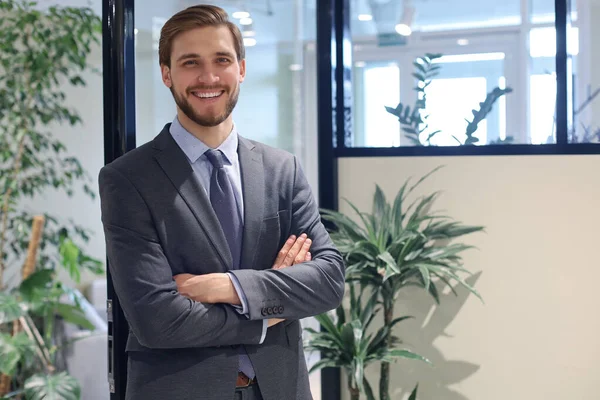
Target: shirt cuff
243,309
264,332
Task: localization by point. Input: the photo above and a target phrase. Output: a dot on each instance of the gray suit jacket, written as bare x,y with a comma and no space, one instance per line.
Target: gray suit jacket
158,222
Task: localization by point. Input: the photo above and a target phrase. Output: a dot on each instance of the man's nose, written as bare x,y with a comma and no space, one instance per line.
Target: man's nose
208,76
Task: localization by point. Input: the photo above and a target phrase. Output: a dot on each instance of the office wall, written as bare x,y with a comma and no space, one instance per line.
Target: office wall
536,267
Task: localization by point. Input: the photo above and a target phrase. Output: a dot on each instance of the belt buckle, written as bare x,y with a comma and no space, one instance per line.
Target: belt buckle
245,380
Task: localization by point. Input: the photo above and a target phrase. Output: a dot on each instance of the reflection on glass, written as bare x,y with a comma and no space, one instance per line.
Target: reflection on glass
449,102
374,126
542,108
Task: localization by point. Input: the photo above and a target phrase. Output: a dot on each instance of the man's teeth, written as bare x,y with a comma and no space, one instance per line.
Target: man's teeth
207,95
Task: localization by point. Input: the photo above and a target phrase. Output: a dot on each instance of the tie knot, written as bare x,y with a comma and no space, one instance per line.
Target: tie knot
215,157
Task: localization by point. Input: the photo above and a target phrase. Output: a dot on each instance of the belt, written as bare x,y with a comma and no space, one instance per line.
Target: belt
243,380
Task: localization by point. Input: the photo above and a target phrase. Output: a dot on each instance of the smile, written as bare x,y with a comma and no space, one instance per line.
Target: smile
209,95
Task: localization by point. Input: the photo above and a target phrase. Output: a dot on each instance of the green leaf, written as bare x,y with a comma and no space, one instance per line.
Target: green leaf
401,353
413,395
9,355
73,314
69,253
391,266
426,278
322,363
368,390
10,308
38,280
14,350
60,386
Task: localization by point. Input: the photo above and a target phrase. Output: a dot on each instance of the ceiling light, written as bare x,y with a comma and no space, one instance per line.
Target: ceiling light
135,31
249,42
404,26
403,30
241,14
246,21
365,17
462,42
360,64
295,67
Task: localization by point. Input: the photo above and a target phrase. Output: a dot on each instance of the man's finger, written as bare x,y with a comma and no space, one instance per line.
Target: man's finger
181,278
284,251
308,256
301,256
291,255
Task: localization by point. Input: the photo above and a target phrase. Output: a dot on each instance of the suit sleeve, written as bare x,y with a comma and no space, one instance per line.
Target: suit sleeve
302,290
158,315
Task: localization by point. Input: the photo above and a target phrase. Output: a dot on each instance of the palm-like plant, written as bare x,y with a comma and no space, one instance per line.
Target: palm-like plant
347,343
399,245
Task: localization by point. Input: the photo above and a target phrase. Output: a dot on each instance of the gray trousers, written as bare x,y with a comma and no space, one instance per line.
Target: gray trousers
251,392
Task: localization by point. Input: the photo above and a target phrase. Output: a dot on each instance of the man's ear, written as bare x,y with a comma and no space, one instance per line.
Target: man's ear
242,70
166,75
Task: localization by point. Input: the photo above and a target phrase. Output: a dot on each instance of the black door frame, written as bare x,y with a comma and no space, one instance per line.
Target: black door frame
334,93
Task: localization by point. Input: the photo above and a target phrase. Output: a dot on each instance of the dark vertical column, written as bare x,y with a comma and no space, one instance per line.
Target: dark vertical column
334,101
563,77
119,137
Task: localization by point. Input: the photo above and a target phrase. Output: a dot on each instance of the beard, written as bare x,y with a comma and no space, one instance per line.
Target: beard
205,120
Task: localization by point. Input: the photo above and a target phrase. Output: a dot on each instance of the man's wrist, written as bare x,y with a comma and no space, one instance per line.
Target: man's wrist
230,295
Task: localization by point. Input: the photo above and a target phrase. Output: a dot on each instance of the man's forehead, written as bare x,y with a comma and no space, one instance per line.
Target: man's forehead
211,38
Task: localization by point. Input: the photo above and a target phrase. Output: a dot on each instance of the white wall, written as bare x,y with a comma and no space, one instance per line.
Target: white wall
537,269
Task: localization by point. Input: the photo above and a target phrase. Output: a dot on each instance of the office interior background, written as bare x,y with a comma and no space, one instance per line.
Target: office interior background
531,185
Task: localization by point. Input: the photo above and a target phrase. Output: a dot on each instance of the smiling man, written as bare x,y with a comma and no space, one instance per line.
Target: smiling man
215,243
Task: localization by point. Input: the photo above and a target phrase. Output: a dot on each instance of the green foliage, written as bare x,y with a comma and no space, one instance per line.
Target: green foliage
347,343
43,51
59,386
414,121
400,243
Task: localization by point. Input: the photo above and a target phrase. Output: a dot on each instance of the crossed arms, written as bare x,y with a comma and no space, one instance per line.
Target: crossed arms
160,316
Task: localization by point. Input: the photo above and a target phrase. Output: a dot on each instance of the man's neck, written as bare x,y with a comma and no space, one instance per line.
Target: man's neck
212,136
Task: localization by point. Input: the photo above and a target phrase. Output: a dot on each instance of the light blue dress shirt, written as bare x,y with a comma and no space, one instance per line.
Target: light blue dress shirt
194,149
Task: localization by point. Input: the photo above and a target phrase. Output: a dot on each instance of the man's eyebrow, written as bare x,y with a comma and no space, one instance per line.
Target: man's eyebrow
188,55
225,53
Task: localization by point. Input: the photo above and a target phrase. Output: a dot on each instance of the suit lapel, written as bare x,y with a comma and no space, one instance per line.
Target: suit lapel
174,163
253,189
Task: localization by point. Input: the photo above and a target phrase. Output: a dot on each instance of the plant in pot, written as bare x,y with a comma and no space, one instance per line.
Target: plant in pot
41,53
397,245
345,342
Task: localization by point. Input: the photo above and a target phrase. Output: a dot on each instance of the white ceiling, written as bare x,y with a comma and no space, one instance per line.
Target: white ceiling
277,20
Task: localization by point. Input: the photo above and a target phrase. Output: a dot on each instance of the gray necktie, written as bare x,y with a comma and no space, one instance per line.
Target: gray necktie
223,202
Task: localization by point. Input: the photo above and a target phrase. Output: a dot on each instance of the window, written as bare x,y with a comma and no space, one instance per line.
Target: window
510,44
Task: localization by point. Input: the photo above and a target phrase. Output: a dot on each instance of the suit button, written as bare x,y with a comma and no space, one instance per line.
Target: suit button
263,311
270,310
280,310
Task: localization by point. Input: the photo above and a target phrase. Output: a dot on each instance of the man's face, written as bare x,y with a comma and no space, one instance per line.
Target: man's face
205,75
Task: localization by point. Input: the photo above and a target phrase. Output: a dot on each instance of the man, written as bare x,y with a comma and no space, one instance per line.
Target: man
208,237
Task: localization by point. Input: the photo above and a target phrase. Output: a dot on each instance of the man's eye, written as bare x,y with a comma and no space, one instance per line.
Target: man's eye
190,62
223,60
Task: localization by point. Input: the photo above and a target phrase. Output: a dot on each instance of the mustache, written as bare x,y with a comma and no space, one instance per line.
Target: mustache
194,88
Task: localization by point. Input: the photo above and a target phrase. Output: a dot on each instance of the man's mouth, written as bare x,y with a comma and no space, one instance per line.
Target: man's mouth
208,95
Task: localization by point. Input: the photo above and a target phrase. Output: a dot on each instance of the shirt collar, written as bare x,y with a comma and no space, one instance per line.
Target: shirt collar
194,148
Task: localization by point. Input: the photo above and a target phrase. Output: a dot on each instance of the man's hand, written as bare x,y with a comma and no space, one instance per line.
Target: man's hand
294,251
218,288
209,288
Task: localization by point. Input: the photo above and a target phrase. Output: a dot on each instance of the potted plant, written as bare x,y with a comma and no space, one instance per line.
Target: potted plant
396,245
41,51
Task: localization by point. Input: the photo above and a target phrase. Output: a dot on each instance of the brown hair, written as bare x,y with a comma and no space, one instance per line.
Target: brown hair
196,17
